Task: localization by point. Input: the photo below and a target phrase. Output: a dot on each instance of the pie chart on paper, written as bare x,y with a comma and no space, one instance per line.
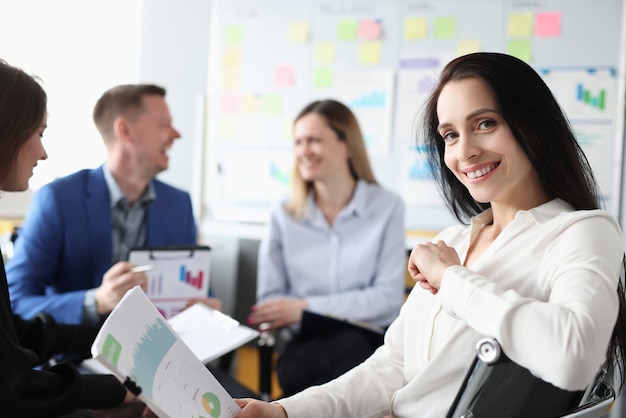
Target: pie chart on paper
211,404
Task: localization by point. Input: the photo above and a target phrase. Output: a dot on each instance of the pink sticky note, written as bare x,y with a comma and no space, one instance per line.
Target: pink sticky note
284,76
369,29
230,104
548,25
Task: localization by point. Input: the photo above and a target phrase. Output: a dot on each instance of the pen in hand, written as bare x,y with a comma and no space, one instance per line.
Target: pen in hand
141,269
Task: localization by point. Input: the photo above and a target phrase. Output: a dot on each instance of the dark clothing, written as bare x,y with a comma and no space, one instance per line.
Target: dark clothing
26,392
318,359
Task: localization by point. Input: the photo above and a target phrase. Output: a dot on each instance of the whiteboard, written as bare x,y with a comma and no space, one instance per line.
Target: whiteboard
268,59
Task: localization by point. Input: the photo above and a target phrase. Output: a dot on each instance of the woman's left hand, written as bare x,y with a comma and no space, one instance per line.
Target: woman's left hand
429,261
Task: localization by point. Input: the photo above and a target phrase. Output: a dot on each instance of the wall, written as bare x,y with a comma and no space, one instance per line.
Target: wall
269,59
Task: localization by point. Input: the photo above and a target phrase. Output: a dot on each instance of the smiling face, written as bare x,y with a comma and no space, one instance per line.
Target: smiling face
27,157
320,154
153,134
480,149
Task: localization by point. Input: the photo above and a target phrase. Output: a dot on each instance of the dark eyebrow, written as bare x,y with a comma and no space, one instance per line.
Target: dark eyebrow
472,115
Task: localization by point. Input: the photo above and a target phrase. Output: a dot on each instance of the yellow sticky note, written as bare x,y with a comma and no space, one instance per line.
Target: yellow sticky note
228,127
468,46
347,29
323,77
325,52
232,58
272,104
231,80
233,35
298,33
415,28
369,52
521,25
445,27
520,48
286,129
250,103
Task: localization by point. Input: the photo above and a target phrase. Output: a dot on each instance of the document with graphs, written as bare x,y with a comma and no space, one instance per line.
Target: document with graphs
176,275
145,353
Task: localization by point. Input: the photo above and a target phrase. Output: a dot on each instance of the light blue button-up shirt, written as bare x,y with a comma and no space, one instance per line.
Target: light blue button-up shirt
353,269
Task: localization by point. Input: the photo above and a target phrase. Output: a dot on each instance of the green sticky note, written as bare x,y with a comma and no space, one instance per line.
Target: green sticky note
520,48
445,27
233,35
272,104
323,77
347,29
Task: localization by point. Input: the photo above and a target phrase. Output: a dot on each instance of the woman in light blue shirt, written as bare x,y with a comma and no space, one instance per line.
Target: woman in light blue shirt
335,247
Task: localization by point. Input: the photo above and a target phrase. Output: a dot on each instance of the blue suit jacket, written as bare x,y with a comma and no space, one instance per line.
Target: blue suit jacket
65,244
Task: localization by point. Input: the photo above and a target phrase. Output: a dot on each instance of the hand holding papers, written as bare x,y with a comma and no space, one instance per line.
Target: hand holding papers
139,346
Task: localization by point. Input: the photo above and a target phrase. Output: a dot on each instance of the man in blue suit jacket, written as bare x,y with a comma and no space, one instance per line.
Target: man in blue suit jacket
70,255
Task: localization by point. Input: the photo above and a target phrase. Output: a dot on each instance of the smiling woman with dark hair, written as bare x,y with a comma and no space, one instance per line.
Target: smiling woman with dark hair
538,267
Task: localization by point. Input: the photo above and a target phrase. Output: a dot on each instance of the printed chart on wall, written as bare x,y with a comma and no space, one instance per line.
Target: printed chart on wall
588,97
382,59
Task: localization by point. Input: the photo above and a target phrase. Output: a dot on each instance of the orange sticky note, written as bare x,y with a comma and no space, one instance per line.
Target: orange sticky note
548,25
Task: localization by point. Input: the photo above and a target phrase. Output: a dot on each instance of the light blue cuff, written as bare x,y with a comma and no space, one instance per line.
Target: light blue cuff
90,310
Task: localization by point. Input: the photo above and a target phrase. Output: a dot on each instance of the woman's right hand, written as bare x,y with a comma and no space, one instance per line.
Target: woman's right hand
277,313
253,408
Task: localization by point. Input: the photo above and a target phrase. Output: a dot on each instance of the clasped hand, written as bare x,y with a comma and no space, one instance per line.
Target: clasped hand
429,261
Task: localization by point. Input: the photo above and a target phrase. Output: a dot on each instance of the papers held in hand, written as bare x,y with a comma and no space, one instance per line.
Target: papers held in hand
314,324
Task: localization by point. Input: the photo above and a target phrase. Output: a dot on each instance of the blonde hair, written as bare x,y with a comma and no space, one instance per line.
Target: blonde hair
343,122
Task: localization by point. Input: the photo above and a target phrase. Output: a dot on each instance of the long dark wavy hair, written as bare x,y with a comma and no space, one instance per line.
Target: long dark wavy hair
532,114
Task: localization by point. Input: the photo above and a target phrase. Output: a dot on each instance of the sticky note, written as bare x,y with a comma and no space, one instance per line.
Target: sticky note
445,27
369,29
233,35
520,25
415,28
272,104
232,58
548,25
250,103
323,77
347,29
325,52
284,76
228,127
467,46
230,104
520,48
369,52
231,80
298,33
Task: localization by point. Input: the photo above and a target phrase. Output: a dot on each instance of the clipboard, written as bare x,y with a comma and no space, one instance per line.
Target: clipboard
178,275
314,324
